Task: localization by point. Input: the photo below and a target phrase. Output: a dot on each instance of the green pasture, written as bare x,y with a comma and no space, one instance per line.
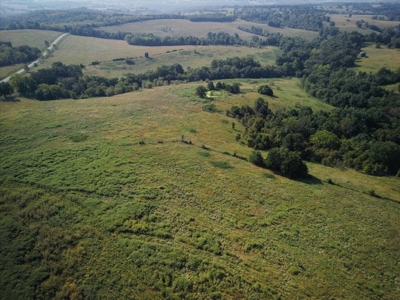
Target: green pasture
200,29
103,199
377,58
85,50
346,23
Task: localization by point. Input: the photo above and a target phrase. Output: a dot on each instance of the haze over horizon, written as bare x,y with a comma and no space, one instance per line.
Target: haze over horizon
12,7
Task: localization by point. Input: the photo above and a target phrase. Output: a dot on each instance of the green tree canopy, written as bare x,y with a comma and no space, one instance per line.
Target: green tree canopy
325,139
265,90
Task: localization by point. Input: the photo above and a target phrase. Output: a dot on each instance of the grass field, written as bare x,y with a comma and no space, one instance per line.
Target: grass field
200,29
287,93
346,23
378,58
100,198
32,38
84,50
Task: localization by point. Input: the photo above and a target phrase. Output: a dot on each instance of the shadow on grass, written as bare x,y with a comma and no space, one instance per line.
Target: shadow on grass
10,99
309,179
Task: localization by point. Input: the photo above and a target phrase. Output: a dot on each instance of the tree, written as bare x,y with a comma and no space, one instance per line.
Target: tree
26,68
146,54
201,91
210,86
325,139
386,154
261,107
265,90
24,85
292,166
256,158
5,89
47,44
287,162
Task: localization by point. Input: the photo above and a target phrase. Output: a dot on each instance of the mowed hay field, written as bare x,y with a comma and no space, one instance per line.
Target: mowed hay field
346,23
200,29
32,38
106,201
378,58
85,50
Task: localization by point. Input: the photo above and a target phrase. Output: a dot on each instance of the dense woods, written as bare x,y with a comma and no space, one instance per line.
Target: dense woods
10,55
362,133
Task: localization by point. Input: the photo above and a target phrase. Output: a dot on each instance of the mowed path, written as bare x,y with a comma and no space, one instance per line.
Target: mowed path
45,53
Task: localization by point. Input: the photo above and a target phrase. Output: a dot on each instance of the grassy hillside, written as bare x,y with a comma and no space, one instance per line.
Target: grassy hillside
101,198
85,50
378,58
200,29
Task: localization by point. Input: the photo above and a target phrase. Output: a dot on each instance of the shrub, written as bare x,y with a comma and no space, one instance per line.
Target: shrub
210,107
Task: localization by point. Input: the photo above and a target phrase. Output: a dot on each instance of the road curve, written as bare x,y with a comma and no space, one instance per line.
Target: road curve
44,54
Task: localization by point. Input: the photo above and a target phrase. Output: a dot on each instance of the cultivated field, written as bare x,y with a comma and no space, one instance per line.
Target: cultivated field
378,58
200,29
105,199
85,50
346,23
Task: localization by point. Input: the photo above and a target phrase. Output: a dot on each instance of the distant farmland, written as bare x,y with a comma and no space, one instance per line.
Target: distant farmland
346,23
85,50
200,29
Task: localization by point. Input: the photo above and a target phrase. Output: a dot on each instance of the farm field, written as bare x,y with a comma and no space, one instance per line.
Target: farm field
378,58
346,23
87,182
200,29
85,50
32,38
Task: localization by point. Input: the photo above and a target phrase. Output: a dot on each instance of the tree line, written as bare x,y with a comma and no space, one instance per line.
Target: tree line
300,16
149,39
10,55
367,140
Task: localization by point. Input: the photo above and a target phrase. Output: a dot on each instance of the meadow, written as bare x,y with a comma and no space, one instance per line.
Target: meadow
101,198
377,58
85,50
200,29
346,23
